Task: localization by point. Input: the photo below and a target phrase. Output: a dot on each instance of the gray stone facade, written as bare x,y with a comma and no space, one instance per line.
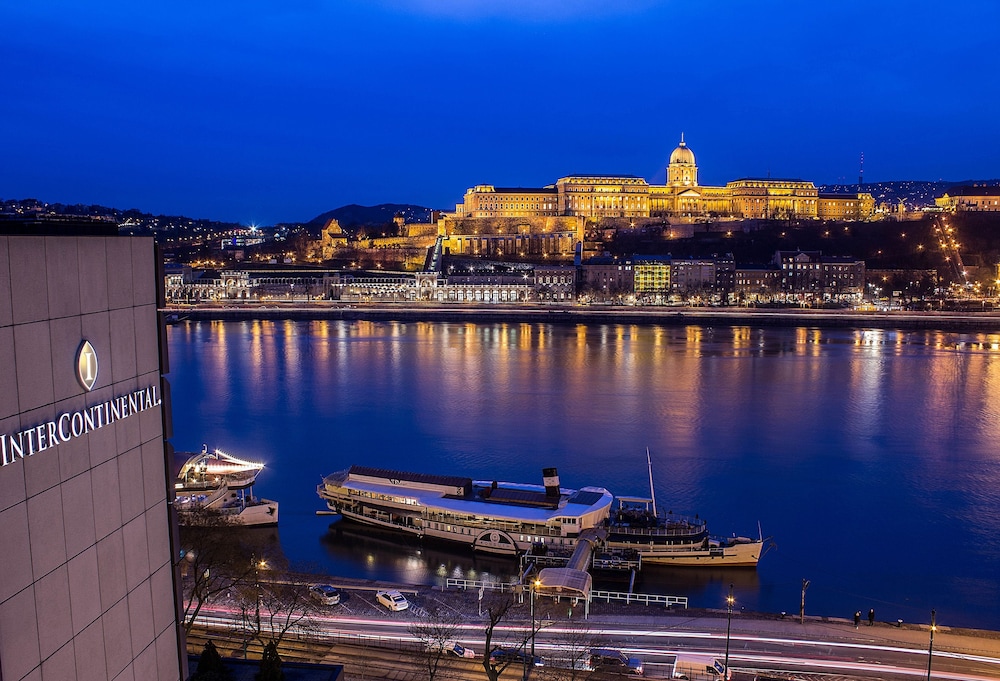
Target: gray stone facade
87,585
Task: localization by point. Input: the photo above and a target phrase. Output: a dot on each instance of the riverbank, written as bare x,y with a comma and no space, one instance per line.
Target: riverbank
978,322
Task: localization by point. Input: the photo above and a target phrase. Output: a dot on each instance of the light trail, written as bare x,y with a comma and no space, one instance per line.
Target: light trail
371,629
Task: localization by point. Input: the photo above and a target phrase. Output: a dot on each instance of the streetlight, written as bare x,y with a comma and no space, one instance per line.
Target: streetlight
729,624
531,605
930,647
258,565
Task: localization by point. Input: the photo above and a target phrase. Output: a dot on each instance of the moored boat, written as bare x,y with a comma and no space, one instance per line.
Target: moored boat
215,488
514,518
486,515
678,540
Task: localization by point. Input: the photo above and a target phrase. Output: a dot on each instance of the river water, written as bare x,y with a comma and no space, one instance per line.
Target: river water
870,457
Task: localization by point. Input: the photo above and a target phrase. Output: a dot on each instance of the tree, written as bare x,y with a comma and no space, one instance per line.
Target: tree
270,605
214,562
435,634
498,608
270,664
210,666
575,646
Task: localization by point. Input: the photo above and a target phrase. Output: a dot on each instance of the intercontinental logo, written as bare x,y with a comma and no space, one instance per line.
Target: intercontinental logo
86,366
69,425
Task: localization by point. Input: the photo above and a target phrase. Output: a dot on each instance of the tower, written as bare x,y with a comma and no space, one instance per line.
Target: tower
682,170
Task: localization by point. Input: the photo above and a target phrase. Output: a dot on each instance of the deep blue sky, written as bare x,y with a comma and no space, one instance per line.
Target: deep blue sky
277,110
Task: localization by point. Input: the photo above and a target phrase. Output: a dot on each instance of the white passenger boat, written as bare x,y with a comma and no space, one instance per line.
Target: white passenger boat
512,518
208,470
488,516
215,488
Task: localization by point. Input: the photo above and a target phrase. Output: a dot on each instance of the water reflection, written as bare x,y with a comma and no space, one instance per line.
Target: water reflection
870,455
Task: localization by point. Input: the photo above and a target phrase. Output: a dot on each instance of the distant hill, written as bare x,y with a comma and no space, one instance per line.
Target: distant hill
353,215
916,193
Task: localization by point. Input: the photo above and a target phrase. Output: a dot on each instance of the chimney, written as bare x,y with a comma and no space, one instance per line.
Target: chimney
550,478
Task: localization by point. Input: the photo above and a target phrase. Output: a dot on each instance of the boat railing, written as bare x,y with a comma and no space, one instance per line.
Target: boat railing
537,530
658,531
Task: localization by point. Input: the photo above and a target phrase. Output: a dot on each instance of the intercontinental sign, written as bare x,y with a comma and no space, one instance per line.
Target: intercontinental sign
74,424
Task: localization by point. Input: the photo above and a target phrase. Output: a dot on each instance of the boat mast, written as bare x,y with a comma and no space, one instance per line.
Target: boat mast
652,494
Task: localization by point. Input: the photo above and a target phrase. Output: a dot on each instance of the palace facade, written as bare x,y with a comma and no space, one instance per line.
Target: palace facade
550,220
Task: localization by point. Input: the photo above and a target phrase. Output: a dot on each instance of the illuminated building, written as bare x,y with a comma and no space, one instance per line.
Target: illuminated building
550,220
88,588
627,196
974,199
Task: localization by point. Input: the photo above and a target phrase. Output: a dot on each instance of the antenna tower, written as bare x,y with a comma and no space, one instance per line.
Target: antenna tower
861,172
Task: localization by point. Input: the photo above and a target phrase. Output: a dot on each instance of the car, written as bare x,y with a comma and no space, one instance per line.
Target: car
611,660
511,657
456,649
324,594
392,599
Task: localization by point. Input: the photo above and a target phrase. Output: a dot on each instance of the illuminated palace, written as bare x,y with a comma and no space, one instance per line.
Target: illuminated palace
550,220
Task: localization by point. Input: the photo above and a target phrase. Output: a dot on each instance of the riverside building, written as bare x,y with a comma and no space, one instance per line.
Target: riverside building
627,196
88,588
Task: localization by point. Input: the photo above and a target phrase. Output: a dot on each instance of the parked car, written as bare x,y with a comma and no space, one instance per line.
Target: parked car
324,594
512,657
611,660
393,600
456,649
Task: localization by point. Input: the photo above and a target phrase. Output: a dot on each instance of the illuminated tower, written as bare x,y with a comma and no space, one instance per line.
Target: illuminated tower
682,171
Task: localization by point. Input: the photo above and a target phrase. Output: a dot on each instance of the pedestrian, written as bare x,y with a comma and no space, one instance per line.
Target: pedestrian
871,617
857,619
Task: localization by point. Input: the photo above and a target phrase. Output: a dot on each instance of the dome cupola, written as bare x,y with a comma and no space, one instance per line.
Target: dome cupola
682,154
682,171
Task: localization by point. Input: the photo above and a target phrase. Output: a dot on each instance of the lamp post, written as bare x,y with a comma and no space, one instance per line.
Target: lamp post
531,606
729,624
258,565
930,647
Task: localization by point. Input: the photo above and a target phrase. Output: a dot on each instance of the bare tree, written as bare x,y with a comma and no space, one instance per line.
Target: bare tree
574,651
213,562
270,605
437,634
498,608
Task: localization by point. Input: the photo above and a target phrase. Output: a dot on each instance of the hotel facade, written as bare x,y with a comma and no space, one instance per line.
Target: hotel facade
88,588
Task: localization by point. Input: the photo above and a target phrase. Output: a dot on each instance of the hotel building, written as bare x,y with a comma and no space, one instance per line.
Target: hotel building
88,588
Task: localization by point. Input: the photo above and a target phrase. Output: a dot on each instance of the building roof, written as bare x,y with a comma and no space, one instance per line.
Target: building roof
525,190
970,190
770,179
682,154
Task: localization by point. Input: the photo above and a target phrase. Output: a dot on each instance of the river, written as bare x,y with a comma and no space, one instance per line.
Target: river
868,456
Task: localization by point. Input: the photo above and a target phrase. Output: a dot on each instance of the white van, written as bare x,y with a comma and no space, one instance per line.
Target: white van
700,667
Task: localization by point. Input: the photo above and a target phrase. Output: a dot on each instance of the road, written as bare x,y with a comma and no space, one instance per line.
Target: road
820,648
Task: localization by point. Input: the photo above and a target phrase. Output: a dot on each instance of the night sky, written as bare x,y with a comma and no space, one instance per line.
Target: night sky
266,111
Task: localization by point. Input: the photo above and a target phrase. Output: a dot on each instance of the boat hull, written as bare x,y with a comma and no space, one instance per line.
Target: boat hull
496,542
224,507
744,554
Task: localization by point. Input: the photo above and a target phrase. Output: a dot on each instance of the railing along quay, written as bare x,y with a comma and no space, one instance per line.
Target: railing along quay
606,596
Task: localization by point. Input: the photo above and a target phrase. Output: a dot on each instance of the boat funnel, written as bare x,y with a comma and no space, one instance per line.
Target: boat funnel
550,478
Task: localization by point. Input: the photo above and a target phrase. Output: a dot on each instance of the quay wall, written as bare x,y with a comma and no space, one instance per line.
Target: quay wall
986,322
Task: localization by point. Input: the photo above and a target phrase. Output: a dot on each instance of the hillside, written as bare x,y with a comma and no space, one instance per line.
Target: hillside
916,194
353,215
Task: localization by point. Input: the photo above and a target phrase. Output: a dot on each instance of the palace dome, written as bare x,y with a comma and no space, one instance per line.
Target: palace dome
682,154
